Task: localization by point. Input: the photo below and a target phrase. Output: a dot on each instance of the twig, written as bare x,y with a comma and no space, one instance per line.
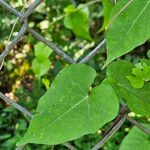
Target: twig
140,126
67,144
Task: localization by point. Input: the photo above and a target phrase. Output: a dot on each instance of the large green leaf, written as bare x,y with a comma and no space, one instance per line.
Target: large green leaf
137,99
136,139
129,27
107,7
78,21
70,108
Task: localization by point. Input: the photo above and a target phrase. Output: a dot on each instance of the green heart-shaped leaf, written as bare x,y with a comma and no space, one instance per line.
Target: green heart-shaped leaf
70,108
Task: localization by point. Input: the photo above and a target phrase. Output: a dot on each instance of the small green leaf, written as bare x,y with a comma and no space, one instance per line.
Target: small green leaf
141,75
138,99
136,81
41,64
46,83
40,67
137,72
136,139
71,108
107,7
129,27
146,73
42,51
69,9
78,21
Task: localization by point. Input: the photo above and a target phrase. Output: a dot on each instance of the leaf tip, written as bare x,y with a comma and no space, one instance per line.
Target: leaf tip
22,141
105,65
19,143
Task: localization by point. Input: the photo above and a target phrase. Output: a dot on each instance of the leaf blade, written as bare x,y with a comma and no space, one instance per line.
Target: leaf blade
137,99
137,138
128,28
62,116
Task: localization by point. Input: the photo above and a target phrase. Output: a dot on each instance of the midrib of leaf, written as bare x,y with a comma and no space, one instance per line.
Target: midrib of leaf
99,105
135,93
120,11
136,20
62,115
83,92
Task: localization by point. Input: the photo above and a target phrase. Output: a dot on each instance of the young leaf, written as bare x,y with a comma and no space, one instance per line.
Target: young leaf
46,83
136,81
141,75
138,99
107,7
42,51
40,66
136,139
129,27
78,21
69,109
